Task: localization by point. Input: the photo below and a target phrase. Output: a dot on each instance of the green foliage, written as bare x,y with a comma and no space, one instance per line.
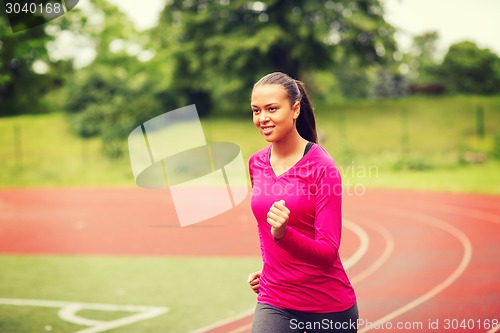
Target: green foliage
468,69
31,79
354,79
221,48
495,150
110,102
465,68
210,53
422,59
20,87
415,162
118,91
389,83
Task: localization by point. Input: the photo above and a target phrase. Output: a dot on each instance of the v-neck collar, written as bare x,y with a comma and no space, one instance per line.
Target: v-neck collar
283,174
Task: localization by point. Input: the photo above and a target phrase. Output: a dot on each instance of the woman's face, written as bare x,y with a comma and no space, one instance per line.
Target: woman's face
273,113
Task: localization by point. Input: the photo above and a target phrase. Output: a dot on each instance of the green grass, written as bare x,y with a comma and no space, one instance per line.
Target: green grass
198,291
40,150
434,126
417,142
483,178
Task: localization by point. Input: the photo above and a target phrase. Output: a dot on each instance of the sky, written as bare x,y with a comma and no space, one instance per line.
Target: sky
454,20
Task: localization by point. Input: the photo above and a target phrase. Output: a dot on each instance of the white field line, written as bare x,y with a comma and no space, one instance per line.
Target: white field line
467,246
68,312
349,262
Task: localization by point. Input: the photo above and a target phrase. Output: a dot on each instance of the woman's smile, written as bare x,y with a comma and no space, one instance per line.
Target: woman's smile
267,129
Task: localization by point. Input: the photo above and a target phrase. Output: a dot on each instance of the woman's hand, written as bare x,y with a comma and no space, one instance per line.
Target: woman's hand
253,281
277,217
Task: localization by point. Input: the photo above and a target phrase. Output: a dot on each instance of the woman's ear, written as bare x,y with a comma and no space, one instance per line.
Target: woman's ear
296,109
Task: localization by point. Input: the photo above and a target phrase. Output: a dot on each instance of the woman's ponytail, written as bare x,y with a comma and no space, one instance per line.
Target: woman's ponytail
306,122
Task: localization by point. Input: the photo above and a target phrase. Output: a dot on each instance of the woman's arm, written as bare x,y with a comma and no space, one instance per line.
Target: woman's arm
323,249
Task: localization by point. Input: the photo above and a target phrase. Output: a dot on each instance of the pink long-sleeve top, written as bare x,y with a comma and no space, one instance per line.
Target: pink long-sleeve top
302,270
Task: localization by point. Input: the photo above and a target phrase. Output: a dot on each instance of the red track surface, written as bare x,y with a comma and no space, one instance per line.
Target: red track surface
430,256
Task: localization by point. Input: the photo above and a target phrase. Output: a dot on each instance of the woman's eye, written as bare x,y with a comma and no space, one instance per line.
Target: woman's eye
255,111
272,109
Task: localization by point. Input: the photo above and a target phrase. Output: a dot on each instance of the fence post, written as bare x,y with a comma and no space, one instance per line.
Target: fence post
479,121
18,144
342,129
405,137
85,151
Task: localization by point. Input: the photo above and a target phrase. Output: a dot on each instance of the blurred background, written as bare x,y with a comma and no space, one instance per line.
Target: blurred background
388,92
406,95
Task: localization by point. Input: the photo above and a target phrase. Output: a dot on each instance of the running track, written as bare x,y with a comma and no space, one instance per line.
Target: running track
413,257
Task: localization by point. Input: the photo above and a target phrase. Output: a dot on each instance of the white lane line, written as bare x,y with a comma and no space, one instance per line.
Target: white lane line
349,262
363,246
474,213
68,312
389,248
464,262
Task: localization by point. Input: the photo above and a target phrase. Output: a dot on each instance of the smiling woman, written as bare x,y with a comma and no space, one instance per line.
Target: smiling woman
272,113
297,204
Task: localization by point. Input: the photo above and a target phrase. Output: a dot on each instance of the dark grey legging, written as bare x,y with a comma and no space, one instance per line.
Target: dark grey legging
270,319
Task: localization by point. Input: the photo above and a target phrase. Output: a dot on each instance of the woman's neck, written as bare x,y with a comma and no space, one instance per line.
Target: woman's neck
292,144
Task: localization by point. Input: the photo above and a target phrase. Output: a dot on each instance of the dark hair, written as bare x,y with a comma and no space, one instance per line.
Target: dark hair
296,91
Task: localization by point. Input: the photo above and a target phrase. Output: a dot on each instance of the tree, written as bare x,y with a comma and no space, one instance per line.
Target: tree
210,53
468,69
422,58
354,79
220,48
109,102
389,84
21,88
120,89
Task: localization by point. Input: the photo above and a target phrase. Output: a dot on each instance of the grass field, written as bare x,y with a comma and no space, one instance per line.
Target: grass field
195,290
419,143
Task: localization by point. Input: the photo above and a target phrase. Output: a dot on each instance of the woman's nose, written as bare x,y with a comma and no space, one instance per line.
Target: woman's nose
263,117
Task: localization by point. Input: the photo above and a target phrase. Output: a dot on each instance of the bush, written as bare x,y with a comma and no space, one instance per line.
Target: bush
109,103
414,163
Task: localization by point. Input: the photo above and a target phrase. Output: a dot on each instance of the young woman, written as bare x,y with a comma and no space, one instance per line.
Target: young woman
296,200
